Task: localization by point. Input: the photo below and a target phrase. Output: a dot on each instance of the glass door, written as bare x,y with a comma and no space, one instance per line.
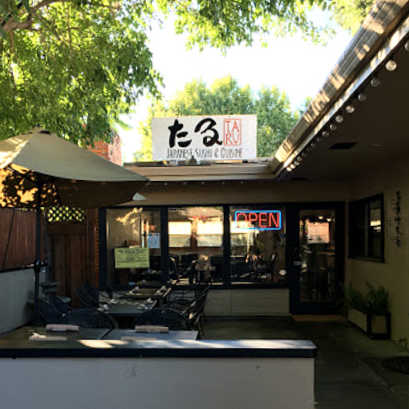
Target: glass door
317,260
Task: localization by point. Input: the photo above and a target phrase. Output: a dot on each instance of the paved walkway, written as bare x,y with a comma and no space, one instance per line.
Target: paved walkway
349,373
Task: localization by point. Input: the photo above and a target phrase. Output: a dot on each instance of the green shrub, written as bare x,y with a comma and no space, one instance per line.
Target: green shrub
375,301
356,300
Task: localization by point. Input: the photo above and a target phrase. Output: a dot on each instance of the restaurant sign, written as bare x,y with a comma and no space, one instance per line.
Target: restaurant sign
213,137
258,219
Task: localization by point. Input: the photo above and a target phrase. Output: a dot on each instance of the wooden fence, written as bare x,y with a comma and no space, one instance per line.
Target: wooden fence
17,238
72,247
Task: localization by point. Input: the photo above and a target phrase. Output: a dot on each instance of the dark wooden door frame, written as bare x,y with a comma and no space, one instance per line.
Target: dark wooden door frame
292,245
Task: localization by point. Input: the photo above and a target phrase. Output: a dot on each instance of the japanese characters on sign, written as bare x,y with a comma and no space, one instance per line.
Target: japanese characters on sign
213,137
258,219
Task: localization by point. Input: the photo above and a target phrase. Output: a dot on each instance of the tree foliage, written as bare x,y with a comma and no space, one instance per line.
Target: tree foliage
272,107
73,65
349,14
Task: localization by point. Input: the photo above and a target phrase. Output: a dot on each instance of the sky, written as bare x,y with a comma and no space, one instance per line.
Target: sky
297,67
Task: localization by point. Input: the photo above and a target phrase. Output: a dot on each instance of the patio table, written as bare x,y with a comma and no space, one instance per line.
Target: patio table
24,333
129,310
143,294
171,335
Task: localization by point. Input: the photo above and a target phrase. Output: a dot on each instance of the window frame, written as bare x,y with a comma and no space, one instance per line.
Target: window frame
364,206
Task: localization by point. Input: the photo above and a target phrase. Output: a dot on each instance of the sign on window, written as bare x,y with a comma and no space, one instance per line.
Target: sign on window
131,257
215,137
257,219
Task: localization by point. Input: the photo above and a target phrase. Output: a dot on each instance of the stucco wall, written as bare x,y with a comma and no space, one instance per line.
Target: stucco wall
16,287
394,272
158,383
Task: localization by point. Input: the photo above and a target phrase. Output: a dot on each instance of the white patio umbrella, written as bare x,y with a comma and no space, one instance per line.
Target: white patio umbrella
39,169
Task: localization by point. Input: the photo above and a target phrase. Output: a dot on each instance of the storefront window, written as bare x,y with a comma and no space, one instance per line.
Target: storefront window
257,236
196,243
366,229
133,245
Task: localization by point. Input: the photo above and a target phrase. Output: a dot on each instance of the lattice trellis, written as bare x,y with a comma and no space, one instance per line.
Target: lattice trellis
58,214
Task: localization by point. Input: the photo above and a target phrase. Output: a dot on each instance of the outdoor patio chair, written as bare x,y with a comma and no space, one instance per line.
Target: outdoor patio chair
49,314
90,318
195,312
88,296
181,298
84,317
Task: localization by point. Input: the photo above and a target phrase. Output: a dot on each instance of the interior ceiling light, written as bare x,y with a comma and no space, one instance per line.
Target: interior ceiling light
339,118
375,82
391,65
333,127
406,46
325,134
362,97
349,109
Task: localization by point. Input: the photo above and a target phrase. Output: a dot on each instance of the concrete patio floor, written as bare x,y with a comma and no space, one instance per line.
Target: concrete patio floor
349,373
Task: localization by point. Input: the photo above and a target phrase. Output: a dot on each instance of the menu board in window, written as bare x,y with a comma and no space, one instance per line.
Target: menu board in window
131,257
317,232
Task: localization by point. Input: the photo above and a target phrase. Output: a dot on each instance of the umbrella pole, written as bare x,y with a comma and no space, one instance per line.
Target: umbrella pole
37,266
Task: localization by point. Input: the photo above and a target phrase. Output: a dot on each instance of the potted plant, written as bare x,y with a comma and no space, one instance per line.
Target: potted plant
370,311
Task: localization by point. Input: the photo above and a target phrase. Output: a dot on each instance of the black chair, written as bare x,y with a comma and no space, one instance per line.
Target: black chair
218,263
84,317
88,296
49,314
173,268
90,318
241,270
191,309
195,313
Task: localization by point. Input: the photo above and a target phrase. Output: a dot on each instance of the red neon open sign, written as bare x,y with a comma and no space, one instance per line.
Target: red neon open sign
259,219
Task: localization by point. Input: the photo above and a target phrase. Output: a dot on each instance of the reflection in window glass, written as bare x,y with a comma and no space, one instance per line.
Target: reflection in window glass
209,233
132,228
366,230
180,234
317,255
375,235
196,242
257,245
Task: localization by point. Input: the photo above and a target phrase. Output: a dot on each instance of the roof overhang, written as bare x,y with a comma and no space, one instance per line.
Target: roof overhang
305,151
203,173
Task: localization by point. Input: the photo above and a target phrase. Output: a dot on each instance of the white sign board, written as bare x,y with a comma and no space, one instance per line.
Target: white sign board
212,137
